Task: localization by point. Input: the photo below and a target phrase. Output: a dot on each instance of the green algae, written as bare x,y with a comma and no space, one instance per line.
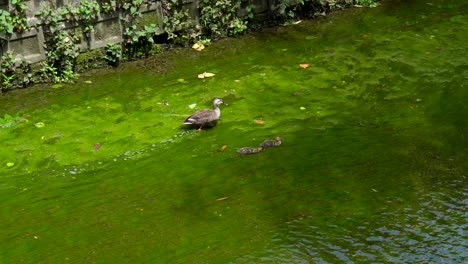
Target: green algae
380,144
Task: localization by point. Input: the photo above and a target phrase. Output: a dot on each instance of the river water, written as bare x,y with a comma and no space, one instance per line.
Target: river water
372,168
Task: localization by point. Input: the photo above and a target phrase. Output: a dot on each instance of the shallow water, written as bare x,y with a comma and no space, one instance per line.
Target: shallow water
372,167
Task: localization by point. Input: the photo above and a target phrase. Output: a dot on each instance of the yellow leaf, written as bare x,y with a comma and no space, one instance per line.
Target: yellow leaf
208,74
39,124
259,121
304,65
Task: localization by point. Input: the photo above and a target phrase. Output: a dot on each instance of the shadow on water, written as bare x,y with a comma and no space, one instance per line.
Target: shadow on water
372,167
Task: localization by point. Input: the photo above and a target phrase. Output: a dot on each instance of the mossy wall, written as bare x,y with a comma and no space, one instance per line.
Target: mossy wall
108,27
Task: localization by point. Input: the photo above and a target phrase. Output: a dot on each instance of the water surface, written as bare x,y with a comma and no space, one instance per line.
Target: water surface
372,168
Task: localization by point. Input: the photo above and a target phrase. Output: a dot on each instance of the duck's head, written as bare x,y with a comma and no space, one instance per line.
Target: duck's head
218,101
279,138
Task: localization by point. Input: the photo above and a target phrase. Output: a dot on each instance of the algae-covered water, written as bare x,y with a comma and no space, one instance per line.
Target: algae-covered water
372,167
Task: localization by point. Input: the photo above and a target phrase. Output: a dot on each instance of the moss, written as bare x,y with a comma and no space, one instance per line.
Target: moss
149,18
90,59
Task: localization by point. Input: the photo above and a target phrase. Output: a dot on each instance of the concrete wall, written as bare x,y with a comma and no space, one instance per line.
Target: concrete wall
108,28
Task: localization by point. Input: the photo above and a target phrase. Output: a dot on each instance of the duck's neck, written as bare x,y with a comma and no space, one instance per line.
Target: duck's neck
217,111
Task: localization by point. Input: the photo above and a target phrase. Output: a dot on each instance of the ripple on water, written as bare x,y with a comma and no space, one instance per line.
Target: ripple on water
433,231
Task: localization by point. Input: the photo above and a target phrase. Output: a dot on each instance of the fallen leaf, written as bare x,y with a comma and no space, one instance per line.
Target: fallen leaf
357,5
10,164
302,108
57,86
304,65
205,75
192,106
297,22
222,198
259,121
89,82
39,124
198,47
223,147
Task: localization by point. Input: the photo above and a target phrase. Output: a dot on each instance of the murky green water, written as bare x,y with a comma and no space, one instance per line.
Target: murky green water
372,168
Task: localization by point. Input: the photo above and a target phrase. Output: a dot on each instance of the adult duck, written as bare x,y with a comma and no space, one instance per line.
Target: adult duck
205,117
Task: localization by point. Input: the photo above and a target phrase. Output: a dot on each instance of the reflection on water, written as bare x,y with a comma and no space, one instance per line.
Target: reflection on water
433,231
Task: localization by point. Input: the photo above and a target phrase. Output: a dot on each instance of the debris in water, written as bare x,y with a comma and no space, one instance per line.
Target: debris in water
198,47
222,198
259,121
192,106
205,75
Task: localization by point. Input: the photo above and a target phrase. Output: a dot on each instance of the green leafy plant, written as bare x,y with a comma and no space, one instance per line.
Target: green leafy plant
367,3
6,23
178,24
109,6
8,68
139,42
61,53
19,15
113,54
14,19
284,9
14,73
219,18
88,11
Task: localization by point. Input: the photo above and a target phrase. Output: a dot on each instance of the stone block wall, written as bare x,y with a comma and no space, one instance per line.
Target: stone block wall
108,28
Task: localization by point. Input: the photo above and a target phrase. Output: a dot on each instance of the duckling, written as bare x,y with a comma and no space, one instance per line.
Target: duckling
249,150
271,143
205,117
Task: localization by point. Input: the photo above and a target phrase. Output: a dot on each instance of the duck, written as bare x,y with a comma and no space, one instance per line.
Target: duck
205,117
249,150
271,143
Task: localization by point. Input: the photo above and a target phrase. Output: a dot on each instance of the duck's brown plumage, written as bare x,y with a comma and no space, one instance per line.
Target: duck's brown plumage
271,143
205,117
249,150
